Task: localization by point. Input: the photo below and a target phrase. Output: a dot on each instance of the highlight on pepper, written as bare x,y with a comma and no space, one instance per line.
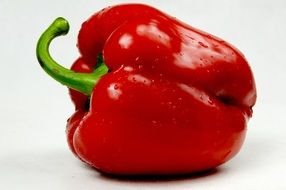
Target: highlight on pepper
152,95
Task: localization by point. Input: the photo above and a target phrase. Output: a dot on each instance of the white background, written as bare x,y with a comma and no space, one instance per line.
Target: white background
34,108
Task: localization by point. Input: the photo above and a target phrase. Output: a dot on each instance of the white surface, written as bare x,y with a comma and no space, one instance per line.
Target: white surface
34,108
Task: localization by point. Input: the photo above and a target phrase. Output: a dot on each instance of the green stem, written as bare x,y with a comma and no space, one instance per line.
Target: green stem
82,82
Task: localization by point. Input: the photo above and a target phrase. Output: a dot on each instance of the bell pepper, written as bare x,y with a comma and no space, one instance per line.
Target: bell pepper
152,94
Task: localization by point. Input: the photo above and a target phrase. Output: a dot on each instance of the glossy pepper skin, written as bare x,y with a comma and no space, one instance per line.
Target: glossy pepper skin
167,98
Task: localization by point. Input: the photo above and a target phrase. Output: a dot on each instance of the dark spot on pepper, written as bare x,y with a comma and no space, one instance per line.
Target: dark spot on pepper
87,104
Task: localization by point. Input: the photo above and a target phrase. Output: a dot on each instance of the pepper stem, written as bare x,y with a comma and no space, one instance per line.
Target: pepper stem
82,82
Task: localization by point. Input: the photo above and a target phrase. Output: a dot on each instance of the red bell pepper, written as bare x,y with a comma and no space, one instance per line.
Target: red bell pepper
153,95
